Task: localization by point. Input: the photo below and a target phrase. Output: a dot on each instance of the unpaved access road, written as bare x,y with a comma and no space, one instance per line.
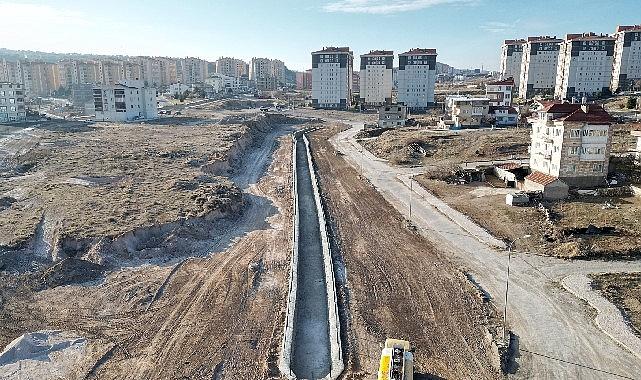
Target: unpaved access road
398,285
556,334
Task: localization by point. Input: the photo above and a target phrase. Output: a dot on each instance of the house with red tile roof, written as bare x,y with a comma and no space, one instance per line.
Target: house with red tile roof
572,142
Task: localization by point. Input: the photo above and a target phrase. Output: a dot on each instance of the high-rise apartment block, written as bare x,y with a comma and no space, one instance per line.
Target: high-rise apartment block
585,66
231,67
511,59
416,78
191,70
376,78
539,66
626,74
572,142
332,77
267,74
304,80
12,102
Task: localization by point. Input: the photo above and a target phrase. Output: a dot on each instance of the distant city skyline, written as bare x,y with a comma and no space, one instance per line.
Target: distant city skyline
466,33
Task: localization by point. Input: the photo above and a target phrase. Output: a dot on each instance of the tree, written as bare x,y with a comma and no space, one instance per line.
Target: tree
632,103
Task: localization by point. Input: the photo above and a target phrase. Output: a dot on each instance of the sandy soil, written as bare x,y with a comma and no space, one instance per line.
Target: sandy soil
200,318
623,290
398,285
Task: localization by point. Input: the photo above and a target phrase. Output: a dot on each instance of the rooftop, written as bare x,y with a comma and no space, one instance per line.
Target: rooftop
332,49
504,82
589,36
543,39
419,51
628,28
378,52
514,42
541,178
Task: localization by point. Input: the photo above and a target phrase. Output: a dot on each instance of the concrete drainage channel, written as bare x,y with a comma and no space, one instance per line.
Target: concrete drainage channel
311,346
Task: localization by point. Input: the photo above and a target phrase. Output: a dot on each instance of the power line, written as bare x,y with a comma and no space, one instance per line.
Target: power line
575,364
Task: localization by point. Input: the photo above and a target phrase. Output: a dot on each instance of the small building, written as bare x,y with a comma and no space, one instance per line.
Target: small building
178,89
551,187
503,115
12,107
466,111
392,116
500,92
127,100
511,173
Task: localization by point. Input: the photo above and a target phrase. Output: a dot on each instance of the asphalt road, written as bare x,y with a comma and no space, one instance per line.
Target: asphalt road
556,334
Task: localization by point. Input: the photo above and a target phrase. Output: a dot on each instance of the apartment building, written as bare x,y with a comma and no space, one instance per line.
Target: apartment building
539,66
332,69
126,100
131,70
304,80
10,71
571,142
585,66
500,92
191,70
376,78
511,59
12,107
467,111
416,78
626,73
232,67
356,82
109,72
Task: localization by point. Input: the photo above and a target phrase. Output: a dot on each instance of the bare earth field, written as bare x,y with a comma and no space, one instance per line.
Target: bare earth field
562,235
165,246
623,290
398,285
413,146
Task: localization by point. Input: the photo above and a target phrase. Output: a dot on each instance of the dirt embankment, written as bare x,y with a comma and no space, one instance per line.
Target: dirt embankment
398,285
411,146
623,290
212,317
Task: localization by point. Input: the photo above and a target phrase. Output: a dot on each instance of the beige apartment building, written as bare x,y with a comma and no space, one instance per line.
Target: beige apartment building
232,67
626,74
571,142
267,74
585,66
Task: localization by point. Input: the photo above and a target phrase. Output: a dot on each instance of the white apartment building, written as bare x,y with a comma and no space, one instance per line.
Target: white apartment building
376,78
332,77
500,92
219,83
127,100
511,59
12,107
585,66
539,66
231,67
467,111
626,73
572,142
416,78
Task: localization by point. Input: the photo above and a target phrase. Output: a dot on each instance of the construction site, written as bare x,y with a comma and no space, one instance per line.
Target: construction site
230,242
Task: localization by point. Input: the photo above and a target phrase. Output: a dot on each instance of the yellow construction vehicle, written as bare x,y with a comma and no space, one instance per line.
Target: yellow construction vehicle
397,361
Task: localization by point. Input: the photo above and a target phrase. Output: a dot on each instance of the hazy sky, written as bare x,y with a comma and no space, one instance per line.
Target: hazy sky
466,33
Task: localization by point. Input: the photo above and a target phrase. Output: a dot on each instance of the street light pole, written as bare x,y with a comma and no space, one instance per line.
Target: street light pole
411,191
507,283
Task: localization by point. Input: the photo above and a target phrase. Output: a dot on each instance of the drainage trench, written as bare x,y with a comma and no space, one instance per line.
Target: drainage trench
311,345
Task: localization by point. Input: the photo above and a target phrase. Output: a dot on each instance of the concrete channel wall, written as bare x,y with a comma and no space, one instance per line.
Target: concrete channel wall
297,338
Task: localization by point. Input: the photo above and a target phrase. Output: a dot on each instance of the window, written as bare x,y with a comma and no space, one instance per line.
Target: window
574,150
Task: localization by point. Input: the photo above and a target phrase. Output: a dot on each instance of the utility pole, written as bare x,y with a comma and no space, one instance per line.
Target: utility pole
507,283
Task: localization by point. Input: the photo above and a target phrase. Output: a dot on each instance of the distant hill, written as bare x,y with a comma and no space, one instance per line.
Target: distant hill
49,57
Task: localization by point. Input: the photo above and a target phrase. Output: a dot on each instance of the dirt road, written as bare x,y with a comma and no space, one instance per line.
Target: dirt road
398,285
557,337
